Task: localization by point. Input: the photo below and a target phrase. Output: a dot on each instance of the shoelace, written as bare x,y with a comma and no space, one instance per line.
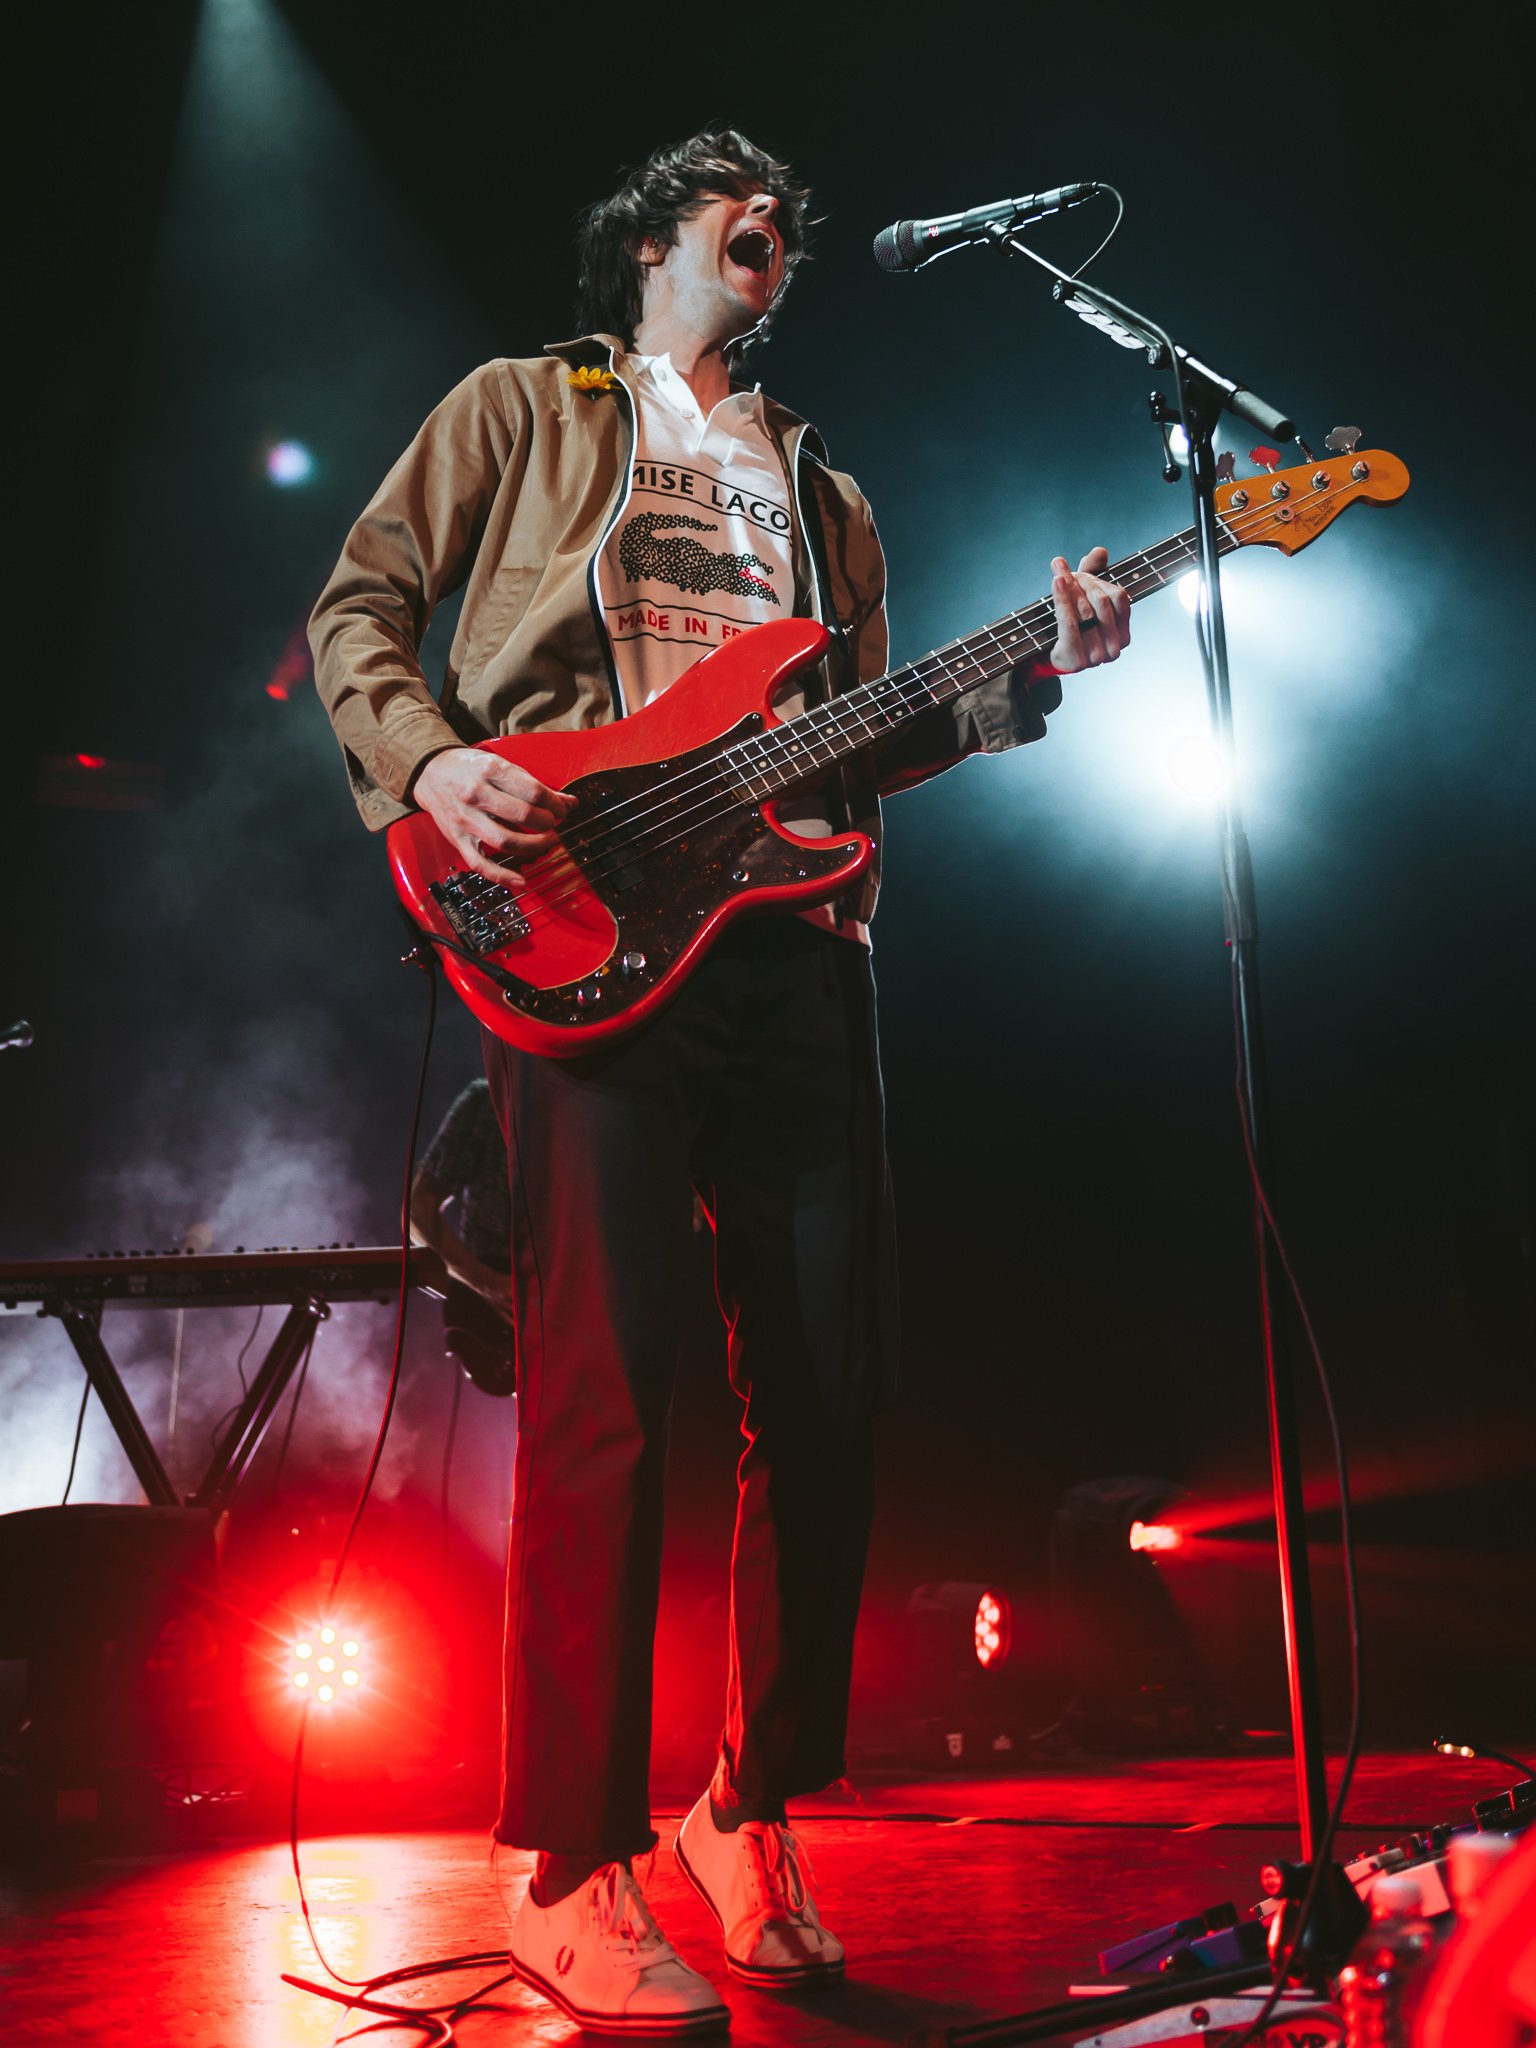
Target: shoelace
622,1920
781,1866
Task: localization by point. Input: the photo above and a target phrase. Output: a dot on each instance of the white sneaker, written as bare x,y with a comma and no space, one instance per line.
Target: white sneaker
600,1956
757,1882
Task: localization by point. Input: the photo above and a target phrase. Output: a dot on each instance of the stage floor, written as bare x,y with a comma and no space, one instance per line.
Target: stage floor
958,1899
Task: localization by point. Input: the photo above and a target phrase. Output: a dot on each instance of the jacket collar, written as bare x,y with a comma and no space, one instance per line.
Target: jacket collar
598,350
585,349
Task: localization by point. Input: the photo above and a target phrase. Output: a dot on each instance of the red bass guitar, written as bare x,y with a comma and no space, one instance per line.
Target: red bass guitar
674,833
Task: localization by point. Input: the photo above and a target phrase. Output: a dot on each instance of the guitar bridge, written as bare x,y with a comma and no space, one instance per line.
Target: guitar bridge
485,915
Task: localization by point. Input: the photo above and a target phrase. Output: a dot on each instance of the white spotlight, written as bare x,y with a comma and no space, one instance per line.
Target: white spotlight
1197,768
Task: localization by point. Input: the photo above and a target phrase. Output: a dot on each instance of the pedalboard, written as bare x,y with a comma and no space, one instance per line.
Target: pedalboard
1222,1939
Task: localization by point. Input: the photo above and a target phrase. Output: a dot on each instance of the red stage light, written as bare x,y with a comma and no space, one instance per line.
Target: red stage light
1154,1536
91,760
991,1629
376,1679
325,1666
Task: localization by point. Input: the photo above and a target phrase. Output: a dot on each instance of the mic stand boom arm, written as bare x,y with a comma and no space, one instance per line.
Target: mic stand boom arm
1203,394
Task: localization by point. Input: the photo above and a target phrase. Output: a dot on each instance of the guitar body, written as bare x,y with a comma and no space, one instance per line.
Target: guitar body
664,848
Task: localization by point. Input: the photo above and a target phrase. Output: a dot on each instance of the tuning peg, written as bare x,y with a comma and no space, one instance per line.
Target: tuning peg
1265,458
1226,463
1342,440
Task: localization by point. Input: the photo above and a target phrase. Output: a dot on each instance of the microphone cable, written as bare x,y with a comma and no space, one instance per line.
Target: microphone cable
1322,1848
1114,229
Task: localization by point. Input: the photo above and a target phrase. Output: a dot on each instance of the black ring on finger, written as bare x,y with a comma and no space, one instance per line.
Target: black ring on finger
1089,625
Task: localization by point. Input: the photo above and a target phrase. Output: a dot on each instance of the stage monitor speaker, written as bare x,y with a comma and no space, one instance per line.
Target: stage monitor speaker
109,1622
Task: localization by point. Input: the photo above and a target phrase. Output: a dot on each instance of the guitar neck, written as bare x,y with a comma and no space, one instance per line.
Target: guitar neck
803,746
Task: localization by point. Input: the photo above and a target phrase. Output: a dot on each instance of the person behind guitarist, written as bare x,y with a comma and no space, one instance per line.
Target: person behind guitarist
616,507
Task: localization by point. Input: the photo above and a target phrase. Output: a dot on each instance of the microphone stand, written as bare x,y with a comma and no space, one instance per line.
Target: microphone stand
1203,394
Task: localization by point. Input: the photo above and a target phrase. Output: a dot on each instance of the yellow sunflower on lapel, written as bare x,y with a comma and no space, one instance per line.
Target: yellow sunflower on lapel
592,382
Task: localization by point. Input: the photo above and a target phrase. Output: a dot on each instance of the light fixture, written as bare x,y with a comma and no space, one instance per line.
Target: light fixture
328,1666
1136,1680
991,1629
958,1626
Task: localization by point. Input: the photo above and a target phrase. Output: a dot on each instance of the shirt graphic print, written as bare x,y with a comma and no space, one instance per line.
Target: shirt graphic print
702,549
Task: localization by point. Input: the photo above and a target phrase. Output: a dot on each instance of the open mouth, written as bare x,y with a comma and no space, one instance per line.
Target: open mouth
752,249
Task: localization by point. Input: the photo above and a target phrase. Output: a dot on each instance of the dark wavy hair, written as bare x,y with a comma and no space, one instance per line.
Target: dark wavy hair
669,187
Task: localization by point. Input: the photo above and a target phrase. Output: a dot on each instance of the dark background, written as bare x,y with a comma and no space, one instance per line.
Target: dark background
252,222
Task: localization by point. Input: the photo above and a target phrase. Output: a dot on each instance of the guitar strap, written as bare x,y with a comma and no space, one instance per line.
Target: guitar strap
856,787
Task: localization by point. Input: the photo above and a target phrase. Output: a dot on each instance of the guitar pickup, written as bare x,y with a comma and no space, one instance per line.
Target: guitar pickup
485,915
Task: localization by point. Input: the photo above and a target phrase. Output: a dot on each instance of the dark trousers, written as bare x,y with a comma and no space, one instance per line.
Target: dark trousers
759,1086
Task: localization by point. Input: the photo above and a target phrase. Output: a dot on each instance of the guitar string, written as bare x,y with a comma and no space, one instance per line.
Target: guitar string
849,721
879,691
615,838
901,688
888,698
780,738
886,701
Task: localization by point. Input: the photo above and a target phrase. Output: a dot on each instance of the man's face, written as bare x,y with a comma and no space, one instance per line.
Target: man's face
725,269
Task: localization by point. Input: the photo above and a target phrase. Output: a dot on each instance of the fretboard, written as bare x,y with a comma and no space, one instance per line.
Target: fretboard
818,738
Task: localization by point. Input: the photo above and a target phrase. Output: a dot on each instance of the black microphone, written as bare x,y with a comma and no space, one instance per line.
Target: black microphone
909,244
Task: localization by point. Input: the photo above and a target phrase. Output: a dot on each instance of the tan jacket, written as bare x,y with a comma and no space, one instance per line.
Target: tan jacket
513,484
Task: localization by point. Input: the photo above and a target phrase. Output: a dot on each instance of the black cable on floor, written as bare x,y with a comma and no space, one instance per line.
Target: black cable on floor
441,2015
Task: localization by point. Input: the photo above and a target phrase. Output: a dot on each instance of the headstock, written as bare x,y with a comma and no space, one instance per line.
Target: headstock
1287,508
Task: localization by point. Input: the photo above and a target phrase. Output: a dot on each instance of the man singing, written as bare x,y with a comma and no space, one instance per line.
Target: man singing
616,507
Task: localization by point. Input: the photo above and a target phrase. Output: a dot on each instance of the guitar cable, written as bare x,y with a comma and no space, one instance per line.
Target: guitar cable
436,2020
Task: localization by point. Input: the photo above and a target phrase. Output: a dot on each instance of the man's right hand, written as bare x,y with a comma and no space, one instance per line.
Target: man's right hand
492,813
